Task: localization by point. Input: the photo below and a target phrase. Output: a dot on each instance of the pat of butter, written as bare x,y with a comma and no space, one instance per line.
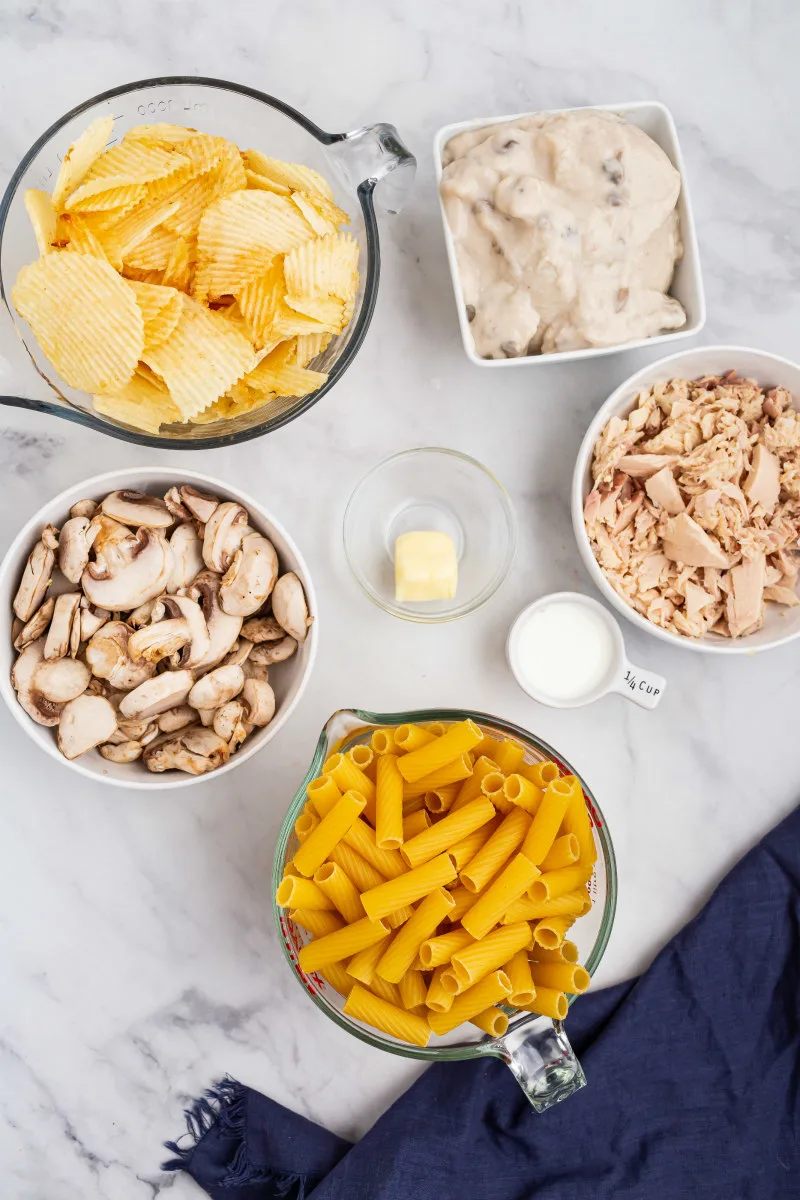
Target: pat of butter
425,567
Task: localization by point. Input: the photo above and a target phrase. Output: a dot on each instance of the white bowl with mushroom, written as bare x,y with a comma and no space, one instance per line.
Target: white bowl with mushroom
161,627
750,579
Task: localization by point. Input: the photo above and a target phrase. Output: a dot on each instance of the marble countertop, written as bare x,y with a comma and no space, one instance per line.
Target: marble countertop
139,959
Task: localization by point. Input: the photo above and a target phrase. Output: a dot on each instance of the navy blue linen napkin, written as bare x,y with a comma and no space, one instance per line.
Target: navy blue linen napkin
694,1087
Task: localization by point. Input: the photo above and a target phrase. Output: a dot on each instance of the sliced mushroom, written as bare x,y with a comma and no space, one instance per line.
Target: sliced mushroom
141,576
92,619
223,629
260,700
172,499
156,695
122,752
206,716
85,722
35,581
195,750
112,543
83,508
263,629
217,687
75,631
176,718
50,537
56,643
135,731
37,625
199,504
154,642
61,679
255,671
272,652
23,680
73,548
137,508
239,654
199,641
187,556
223,534
289,606
229,723
250,577
109,658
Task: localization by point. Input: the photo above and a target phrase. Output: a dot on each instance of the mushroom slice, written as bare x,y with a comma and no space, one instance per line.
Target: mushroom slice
199,504
198,643
142,576
217,687
136,731
92,619
50,537
158,641
112,543
37,625
223,629
86,722
122,752
272,652
73,548
260,700
223,534
289,606
195,750
83,508
108,658
263,629
256,671
137,508
56,643
151,610
23,675
176,718
187,556
229,723
206,716
62,679
35,581
156,695
251,576
173,501
75,631
239,654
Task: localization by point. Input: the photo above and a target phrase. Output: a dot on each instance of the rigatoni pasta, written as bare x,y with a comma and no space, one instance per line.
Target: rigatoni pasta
438,874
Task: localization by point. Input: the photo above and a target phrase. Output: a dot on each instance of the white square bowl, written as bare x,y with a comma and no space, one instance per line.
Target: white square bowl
656,121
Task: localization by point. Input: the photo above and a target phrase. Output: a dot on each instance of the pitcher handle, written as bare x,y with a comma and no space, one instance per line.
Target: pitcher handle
375,154
542,1061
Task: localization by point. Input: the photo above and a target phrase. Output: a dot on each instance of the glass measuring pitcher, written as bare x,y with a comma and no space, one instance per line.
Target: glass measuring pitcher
536,1049
355,164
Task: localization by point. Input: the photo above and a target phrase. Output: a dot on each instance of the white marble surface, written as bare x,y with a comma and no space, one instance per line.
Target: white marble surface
139,961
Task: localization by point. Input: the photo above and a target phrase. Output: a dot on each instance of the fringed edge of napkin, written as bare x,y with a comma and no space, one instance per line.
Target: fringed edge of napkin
224,1107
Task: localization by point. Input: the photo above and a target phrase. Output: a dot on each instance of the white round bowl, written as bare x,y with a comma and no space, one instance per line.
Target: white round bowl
769,370
288,679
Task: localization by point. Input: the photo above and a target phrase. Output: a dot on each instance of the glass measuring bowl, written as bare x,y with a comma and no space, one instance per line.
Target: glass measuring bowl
354,164
536,1049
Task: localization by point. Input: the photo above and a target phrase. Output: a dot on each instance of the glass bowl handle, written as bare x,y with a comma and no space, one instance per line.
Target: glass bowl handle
375,155
541,1060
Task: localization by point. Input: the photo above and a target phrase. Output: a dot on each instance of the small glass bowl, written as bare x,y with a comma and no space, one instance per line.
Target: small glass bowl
431,488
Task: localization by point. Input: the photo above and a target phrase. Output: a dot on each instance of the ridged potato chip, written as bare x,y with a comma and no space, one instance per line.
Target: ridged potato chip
78,234
85,318
161,134
122,232
239,235
39,208
262,184
310,345
278,372
142,403
161,310
134,161
178,271
319,223
327,311
325,207
327,266
201,359
292,175
100,194
260,300
153,252
80,157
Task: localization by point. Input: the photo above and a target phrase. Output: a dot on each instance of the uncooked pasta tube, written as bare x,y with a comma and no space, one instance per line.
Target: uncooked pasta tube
412,737
441,949
567,952
509,756
336,884
492,990
564,852
296,892
318,921
470,789
552,884
438,999
405,944
337,977
453,772
388,1018
407,888
330,831
447,832
520,791
549,932
518,970
341,944
362,965
540,773
492,1021
491,952
414,823
526,909
464,851
505,841
413,989
457,740
564,977
388,804
362,873
547,821
509,885
549,1003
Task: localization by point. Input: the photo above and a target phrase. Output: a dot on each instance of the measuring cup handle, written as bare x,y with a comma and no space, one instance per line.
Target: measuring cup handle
644,688
542,1061
376,154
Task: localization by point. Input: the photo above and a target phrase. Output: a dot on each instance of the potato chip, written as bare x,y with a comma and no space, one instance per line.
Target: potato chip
80,157
327,266
327,311
178,271
134,161
310,346
140,276
201,359
278,372
122,232
233,313
154,251
239,235
100,194
161,309
261,183
80,236
320,224
260,300
140,403
42,217
162,134
326,208
291,175
84,317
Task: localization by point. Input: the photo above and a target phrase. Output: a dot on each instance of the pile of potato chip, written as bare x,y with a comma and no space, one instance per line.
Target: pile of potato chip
182,279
